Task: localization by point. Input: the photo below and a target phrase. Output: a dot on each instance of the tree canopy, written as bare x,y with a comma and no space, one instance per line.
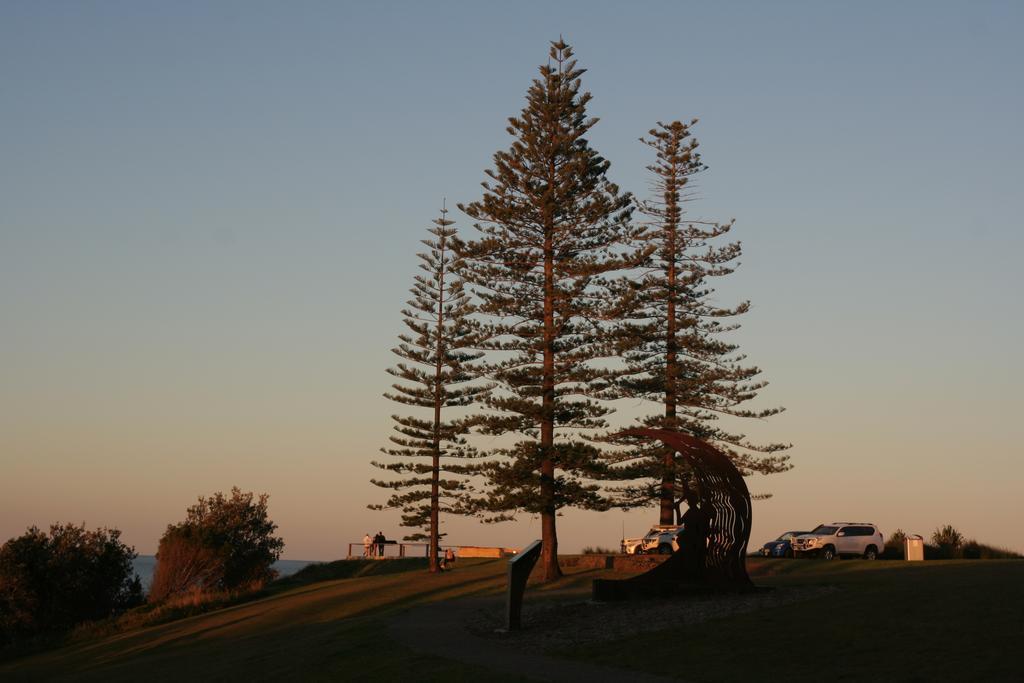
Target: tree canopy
553,232
675,337
51,581
436,374
224,544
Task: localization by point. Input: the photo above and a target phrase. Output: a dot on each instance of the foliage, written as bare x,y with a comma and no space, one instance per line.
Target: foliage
947,536
973,550
894,545
598,550
49,582
436,374
553,232
224,544
948,540
947,543
896,538
674,342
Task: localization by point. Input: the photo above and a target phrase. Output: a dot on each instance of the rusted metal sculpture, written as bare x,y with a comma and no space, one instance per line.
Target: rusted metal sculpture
519,568
716,528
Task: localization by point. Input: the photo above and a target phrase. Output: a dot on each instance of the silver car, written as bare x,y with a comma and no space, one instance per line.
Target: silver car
840,539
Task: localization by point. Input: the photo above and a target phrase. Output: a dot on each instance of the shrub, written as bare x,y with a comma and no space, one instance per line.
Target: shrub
51,582
894,545
224,544
973,550
949,541
598,550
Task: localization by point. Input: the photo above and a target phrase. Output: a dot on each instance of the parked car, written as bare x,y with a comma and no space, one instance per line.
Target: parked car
839,539
661,539
668,541
781,546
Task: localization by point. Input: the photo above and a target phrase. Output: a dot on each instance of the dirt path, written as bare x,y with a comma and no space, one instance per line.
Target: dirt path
446,630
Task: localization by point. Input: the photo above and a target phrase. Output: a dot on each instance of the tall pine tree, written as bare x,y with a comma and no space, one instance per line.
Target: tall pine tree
677,352
552,232
436,374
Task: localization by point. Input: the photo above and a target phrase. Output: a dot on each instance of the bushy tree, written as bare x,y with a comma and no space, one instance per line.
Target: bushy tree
225,543
894,545
675,338
436,374
52,581
553,230
949,541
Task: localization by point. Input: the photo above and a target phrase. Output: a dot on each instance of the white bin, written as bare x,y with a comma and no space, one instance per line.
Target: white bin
913,548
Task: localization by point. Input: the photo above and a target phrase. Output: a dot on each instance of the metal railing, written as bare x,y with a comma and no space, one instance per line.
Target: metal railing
391,550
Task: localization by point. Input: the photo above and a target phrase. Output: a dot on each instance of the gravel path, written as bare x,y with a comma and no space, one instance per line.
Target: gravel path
562,624
447,630
469,630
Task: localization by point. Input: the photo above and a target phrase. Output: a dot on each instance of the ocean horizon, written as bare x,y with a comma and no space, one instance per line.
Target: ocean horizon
145,565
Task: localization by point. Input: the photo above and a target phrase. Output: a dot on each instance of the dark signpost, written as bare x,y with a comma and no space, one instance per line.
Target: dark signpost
519,568
716,529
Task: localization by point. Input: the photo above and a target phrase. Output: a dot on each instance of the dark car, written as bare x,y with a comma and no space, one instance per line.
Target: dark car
781,546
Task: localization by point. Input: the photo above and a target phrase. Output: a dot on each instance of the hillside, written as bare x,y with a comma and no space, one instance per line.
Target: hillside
362,627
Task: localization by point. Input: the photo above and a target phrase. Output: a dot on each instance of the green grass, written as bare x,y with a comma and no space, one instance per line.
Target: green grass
194,604
942,620
927,621
323,630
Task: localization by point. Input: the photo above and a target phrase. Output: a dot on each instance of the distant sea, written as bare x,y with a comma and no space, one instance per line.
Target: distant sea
144,565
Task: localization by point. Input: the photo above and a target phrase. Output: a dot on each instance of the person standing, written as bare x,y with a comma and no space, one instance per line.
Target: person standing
380,539
693,542
367,542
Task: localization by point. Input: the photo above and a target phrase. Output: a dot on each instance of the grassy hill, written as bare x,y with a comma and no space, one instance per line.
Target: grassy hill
950,620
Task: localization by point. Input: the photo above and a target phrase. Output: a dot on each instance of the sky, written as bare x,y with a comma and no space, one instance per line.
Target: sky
209,215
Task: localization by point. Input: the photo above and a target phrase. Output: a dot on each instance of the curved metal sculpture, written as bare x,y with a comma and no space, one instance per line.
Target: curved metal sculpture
716,529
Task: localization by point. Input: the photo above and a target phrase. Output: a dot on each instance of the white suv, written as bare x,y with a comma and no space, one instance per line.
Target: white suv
857,539
661,539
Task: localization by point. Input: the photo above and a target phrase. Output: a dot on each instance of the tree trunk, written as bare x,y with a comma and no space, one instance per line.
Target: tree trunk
435,537
549,536
435,472
668,499
668,470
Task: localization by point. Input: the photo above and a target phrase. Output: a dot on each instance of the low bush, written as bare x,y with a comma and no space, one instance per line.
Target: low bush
948,542
598,550
225,544
973,550
894,545
50,582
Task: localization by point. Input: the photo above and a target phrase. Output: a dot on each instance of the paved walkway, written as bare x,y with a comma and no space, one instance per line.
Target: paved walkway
441,629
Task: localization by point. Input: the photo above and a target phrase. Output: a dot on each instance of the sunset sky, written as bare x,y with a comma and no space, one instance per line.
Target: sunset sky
209,214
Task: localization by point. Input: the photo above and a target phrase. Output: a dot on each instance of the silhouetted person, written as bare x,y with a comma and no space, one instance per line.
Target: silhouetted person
379,539
694,541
